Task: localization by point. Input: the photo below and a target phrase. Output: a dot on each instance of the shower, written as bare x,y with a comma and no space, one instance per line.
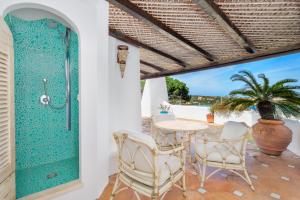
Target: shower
45,98
46,80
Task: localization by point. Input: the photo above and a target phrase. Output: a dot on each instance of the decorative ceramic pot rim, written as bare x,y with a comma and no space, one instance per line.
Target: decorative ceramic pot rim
271,121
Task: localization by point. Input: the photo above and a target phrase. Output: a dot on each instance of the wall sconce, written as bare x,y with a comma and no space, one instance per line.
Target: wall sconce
122,57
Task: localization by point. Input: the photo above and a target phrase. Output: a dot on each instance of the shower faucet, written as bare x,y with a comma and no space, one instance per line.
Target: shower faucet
45,99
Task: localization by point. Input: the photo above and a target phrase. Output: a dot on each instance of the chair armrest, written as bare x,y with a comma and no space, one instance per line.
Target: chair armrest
216,140
172,151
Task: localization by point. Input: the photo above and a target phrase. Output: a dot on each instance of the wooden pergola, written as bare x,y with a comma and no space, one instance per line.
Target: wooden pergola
178,36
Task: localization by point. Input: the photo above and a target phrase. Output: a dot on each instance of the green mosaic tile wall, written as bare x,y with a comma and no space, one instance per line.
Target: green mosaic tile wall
42,140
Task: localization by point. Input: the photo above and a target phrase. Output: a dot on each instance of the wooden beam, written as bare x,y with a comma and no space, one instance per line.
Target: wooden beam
144,72
152,65
220,17
120,36
251,58
156,24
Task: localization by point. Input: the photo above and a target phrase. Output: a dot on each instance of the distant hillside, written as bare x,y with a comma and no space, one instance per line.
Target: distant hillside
197,100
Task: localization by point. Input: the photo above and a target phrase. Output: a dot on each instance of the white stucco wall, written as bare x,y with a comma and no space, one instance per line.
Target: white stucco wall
294,125
155,92
249,117
200,112
90,19
125,96
190,112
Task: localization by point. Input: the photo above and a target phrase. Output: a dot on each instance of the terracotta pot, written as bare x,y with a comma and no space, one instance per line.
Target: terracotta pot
272,136
210,118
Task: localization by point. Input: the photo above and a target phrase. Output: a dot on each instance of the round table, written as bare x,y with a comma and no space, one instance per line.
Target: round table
185,126
181,125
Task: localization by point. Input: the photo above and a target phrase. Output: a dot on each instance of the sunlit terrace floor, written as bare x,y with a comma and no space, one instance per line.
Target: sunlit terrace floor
273,178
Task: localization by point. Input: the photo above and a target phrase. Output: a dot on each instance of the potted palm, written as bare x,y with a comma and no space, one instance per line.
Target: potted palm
210,117
272,102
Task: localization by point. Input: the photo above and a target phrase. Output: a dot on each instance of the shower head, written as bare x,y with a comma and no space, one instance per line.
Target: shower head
45,80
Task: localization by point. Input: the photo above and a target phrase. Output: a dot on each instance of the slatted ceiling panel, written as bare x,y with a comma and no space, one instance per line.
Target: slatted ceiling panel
270,27
190,21
136,29
268,24
158,60
141,32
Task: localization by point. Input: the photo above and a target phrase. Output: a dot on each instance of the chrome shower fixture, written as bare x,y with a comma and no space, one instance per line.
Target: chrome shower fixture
45,99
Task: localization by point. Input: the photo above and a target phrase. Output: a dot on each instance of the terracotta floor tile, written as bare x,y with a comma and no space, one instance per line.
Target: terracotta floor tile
220,187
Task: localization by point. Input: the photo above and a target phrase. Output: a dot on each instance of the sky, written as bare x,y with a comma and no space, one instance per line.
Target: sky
216,82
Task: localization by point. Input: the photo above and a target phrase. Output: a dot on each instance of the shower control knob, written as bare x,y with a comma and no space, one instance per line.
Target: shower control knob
44,99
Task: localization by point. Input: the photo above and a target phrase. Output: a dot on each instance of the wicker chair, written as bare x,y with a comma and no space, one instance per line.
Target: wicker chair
163,138
145,169
226,152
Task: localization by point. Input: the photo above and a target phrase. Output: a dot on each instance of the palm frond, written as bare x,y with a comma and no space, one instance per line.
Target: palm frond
283,95
238,77
251,77
266,85
286,93
292,100
288,87
281,83
288,109
239,104
244,92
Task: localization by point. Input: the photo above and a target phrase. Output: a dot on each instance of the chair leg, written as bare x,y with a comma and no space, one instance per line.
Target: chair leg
137,195
203,174
199,168
175,137
154,197
115,188
183,186
248,179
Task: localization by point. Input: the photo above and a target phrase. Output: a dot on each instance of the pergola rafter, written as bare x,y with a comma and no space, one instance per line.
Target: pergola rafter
158,68
251,58
220,17
120,36
148,19
170,33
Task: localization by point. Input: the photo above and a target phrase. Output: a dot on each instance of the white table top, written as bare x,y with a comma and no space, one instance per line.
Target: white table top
181,125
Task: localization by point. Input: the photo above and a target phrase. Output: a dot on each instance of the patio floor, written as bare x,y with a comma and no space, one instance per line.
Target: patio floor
273,178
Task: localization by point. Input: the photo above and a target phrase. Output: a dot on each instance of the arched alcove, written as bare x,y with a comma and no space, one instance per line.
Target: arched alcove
46,46
42,10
